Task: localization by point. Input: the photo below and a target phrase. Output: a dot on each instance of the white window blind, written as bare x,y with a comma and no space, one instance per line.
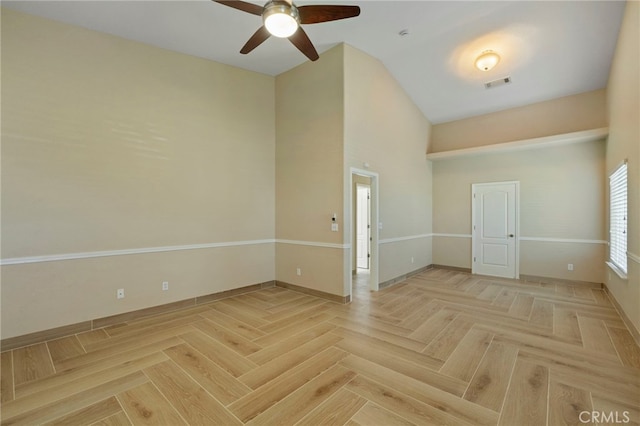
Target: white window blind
618,218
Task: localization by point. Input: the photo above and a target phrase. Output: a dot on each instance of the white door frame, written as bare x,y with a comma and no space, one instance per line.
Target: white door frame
374,209
474,186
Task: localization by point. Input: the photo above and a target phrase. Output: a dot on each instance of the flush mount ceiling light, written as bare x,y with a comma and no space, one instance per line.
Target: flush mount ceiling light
487,60
281,19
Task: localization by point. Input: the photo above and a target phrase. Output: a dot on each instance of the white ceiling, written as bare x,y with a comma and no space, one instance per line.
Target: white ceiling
549,49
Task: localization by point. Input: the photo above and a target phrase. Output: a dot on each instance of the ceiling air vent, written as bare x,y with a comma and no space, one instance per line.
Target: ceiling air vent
498,82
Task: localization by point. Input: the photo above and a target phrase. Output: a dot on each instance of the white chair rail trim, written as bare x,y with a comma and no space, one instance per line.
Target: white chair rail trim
146,250
541,239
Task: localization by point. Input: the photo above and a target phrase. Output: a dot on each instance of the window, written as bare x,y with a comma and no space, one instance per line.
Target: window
618,219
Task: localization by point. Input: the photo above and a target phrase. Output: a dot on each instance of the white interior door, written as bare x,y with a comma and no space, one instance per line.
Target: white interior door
363,226
495,227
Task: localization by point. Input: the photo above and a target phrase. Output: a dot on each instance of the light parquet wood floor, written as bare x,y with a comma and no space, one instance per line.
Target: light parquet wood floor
443,347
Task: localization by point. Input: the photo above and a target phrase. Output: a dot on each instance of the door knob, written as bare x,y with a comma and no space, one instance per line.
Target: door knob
511,235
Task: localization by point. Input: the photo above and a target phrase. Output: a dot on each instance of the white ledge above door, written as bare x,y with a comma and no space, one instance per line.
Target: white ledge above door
524,144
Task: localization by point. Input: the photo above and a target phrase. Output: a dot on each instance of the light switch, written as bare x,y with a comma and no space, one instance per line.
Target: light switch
334,227
379,225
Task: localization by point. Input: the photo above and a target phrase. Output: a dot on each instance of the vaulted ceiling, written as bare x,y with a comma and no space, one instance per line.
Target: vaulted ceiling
548,49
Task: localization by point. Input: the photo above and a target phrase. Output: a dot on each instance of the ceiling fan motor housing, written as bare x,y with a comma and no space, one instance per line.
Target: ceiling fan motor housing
281,18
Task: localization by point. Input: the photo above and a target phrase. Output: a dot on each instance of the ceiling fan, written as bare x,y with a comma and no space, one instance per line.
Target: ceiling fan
282,18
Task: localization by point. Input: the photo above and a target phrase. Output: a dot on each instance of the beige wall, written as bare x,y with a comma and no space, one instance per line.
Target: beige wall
309,173
583,111
561,200
109,144
385,129
332,115
45,295
128,160
623,103
112,145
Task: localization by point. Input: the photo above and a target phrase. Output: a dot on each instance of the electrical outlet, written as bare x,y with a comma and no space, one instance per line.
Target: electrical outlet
165,285
570,267
120,293
298,271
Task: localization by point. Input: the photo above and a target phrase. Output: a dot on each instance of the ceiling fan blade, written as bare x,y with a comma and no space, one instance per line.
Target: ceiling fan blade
300,39
314,14
251,8
256,40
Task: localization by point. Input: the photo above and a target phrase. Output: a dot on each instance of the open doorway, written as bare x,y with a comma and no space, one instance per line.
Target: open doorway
364,235
363,226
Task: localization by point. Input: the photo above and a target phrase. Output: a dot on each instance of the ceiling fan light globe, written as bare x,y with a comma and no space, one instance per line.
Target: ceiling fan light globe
281,25
281,19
